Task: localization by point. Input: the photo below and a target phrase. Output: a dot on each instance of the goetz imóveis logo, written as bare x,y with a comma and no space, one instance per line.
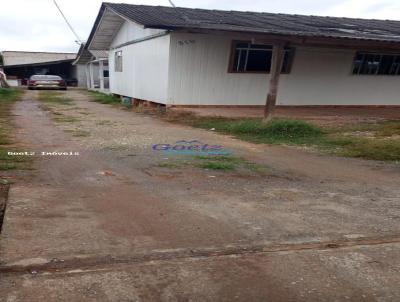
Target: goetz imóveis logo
191,147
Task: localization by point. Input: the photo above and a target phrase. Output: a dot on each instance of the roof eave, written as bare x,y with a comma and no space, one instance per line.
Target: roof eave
275,34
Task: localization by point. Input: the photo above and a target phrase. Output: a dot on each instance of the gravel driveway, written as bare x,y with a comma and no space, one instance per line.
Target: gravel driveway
122,222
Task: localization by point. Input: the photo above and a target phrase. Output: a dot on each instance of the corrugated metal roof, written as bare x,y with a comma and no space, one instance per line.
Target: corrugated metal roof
84,56
12,58
255,22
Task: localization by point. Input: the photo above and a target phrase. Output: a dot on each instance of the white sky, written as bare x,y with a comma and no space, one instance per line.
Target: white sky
36,25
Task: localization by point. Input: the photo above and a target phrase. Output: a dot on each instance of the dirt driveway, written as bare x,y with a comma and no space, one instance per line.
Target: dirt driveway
118,223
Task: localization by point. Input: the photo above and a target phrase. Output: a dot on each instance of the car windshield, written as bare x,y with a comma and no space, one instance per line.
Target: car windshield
46,77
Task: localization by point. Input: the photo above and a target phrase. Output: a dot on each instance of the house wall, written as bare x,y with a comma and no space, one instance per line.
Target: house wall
80,74
145,64
198,75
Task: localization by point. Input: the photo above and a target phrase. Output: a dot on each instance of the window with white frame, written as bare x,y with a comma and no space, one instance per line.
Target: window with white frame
256,58
366,63
118,61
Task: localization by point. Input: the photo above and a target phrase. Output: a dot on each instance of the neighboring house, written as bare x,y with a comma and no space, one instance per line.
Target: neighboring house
20,65
196,57
95,68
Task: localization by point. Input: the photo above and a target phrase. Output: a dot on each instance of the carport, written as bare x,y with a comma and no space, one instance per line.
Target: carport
23,72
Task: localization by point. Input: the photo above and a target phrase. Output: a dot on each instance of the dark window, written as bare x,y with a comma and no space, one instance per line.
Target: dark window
376,64
248,57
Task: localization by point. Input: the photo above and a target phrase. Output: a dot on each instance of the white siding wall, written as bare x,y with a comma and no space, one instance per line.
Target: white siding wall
80,74
145,64
198,76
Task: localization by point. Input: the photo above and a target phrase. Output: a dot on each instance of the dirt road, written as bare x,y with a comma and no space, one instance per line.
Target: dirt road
118,223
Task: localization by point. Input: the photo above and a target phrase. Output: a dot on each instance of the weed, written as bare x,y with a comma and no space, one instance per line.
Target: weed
54,98
7,98
227,163
9,95
81,133
4,166
104,123
104,98
212,165
66,119
344,141
169,165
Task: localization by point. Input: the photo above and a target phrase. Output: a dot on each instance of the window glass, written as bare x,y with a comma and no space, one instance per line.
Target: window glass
249,57
376,64
118,61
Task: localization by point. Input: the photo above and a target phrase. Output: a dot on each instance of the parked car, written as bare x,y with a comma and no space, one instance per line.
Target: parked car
46,82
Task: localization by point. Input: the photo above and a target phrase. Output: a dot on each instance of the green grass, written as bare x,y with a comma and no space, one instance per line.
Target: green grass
104,98
81,133
215,165
381,141
54,98
51,100
226,163
366,148
7,99
65,119
104,123
215,162
9,95
169,165
374,141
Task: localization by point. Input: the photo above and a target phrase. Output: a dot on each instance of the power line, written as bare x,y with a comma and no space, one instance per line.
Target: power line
172,3
78,40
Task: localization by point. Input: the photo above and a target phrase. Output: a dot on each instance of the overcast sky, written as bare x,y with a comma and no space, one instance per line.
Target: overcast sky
36,25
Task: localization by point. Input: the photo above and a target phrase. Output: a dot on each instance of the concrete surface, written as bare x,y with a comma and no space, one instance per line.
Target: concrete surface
112,225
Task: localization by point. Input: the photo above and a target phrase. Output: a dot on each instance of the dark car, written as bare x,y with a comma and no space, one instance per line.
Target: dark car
46,82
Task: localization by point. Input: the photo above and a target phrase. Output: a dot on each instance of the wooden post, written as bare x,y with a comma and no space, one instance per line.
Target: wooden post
87,72
101,75
91,75
276,67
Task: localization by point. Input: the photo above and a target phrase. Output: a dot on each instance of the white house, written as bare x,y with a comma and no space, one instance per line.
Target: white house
195,57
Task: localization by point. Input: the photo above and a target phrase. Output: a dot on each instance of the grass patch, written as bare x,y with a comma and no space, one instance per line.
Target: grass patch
104,123
215,165
7,162
104,98
9,95
54,98
226,163
274,132
81,133
65,119
366,148
50,102
169,165
219,163
374,141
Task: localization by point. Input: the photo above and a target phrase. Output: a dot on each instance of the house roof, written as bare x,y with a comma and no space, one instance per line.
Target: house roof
85,56
15,58
256,22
